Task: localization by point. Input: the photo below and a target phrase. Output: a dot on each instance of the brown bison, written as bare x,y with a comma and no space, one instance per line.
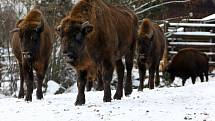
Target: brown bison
32,45
187,63
150,48
97,34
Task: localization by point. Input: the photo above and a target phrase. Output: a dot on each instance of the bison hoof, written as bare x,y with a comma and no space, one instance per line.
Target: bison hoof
140,89
28,98
117,96
99,88
80,100
128,91
88,89
157,84
39,95
151,86
107,99
21,95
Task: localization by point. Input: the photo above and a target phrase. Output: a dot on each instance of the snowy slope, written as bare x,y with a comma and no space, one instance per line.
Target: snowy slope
191,102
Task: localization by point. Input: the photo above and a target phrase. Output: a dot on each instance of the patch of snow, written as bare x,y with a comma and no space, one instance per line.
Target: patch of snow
209,17
191,102
52,88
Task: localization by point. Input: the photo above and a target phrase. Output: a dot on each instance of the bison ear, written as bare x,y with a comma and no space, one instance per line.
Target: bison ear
17,29
87,29
58,28
18,22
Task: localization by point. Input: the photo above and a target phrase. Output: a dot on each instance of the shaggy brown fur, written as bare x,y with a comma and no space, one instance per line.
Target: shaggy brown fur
32,45
151,44
187,63
109,35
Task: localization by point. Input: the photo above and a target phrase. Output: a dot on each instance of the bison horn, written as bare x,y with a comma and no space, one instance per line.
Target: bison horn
58,27
86,27
85,24
15,30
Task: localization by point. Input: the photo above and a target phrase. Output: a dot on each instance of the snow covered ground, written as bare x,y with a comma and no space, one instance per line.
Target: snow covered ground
191,102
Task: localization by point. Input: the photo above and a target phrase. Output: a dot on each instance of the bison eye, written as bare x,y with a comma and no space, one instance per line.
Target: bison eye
85,9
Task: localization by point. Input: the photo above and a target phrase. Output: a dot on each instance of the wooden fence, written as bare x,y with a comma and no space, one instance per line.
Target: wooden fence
196,35
8,72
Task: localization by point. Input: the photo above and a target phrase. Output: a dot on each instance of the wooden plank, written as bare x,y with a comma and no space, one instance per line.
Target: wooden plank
211,63
198,35
192,44
207,53
194,25
189,39
193,20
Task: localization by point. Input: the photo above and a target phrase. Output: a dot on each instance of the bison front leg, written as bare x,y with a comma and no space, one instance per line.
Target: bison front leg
128,83
193,78
151,78
157,79
29,83
201,76
89,84
142,73
99,86
39,92
107,75
120,73
206,75
183,82
21,88
81,83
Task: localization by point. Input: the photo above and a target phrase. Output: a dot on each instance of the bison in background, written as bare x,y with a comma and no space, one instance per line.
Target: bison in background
97,34
94,80
150,48
32,46
187,63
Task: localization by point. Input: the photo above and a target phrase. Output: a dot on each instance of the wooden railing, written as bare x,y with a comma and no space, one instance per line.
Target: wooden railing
196,35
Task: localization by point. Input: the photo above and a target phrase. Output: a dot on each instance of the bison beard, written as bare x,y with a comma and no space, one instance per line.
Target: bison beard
31,44
97,35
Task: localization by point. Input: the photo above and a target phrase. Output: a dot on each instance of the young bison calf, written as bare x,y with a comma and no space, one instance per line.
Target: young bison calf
187,63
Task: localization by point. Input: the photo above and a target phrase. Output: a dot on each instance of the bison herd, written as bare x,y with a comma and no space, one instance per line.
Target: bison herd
96,37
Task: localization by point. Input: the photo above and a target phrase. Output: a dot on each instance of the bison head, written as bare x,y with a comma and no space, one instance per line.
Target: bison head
145,40
73,35
144,46
168,75
29,39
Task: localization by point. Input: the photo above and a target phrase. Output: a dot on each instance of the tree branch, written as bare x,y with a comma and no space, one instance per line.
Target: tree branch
144,5
165,3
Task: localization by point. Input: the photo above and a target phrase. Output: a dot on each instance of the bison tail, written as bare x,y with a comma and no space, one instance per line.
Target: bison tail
164,61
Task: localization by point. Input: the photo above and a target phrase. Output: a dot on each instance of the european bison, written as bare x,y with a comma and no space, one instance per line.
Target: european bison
187,63
32,45
150,48
97,34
